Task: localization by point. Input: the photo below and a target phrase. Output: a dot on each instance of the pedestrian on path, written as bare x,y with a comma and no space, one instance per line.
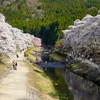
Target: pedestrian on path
17,56
45,62
83,57
16,65
94,59
78,55
13,63
91,60
66,60
88,57
41,61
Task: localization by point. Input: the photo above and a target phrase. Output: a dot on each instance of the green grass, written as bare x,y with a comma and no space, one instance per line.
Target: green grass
61,53
29,52
56,57
47,84
4,66
41,81
29,55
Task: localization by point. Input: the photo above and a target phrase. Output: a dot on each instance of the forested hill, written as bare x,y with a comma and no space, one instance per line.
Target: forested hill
46,18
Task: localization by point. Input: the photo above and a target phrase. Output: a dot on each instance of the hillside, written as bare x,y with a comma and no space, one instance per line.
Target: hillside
46,18
26,6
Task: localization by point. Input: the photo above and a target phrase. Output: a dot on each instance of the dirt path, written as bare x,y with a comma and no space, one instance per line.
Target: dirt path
88,62
14,85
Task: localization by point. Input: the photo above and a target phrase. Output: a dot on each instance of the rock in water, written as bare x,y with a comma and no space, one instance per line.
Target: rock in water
13,39
84,33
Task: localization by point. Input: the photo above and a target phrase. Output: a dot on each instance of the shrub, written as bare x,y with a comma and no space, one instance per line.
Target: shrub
61,53
1,59
58,44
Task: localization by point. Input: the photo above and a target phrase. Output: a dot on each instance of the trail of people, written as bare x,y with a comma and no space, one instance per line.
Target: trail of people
85,61
14,85
88,62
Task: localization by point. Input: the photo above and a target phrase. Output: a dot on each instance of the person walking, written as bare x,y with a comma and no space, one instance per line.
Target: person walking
66,60
41,61
16,65
91,60
78,54
88,57
83,57
45,62
13,63
17,56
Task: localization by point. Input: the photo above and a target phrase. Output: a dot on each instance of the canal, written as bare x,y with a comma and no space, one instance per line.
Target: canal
70,86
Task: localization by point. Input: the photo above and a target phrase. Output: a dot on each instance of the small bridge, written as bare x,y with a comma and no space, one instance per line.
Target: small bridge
52,65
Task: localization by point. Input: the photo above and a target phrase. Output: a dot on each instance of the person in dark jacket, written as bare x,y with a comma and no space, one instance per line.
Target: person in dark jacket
17,56
16,65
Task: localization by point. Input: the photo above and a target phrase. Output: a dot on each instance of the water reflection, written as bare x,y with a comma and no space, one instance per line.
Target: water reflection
81,88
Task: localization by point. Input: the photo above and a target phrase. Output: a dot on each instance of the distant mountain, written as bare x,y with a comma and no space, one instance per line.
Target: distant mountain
26,5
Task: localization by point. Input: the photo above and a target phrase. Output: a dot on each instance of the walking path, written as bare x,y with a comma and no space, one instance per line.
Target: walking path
14,85
88,62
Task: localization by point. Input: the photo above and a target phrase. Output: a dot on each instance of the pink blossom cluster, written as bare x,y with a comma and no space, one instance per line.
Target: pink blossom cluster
37,41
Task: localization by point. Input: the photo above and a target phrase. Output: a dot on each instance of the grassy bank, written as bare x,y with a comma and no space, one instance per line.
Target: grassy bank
51,87
28,53
4,66
56,57
38,78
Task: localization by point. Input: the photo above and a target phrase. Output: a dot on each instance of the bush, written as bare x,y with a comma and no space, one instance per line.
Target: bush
26,52
58,44
60,53
1,59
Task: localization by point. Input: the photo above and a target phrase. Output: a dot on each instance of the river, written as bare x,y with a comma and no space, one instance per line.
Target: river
76,88
81,88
